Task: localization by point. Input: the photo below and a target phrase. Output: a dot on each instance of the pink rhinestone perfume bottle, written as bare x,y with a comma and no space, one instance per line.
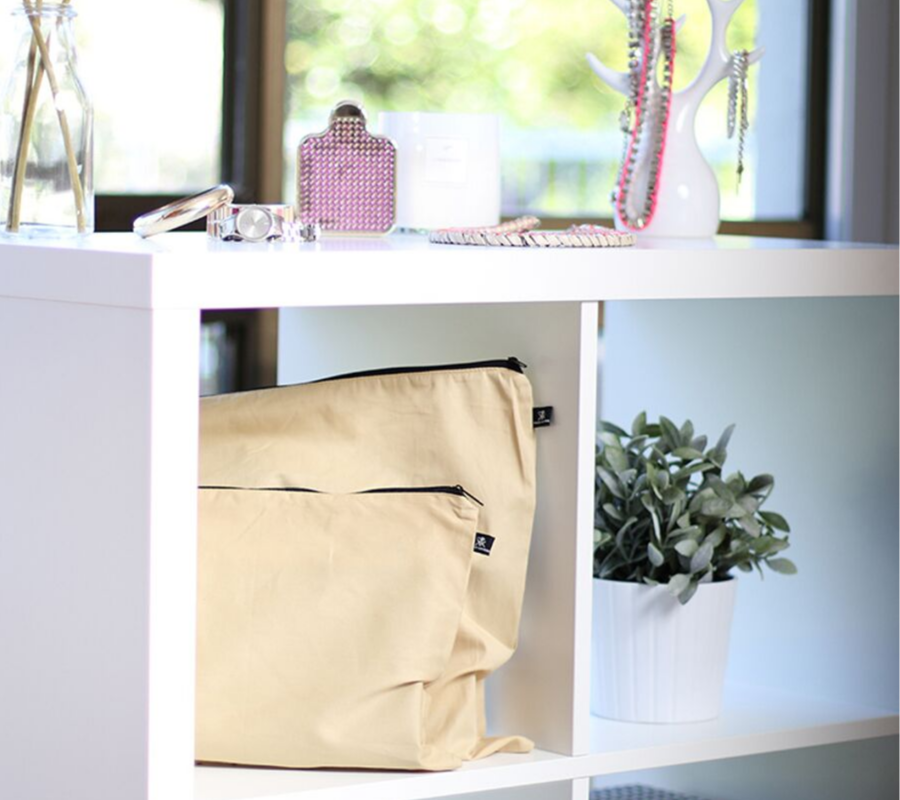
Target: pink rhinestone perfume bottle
346,176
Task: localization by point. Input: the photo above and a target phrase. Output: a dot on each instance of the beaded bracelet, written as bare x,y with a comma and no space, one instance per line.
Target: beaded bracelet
520,233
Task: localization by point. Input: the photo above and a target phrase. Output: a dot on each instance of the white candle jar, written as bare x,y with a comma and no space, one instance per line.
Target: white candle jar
448,168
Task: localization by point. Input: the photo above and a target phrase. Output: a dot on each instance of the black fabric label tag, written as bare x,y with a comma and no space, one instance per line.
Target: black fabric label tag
483,543
542,417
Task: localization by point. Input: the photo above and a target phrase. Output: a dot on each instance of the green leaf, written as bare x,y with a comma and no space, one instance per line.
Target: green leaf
620,539
611,511
601,538
687,471
764,545
750,525
749,502
651,474
687,431
637,444
616,458
656,530
716,537
655,555
761,482
609,439
650,581
626,476
717,456
678,583
687,547
736,483
640,422
736,511
776,521
725,438
684,521
687,453
699,499
611,482
783,565
676,506
688,593
716,507
608,426
652,429
699,443
700,560
670,433
694,532
672,495
743,566
662,480
719,487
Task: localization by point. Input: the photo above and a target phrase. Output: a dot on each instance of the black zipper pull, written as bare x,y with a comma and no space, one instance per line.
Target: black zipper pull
519,364
471,497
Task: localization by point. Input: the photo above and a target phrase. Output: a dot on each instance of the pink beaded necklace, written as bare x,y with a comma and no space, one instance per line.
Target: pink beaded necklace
643,71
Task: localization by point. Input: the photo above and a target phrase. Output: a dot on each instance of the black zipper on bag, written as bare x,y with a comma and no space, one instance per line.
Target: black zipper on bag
457,490
511,363
260,489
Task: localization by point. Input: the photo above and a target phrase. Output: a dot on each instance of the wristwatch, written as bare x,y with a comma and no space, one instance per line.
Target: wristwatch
227,221
252,223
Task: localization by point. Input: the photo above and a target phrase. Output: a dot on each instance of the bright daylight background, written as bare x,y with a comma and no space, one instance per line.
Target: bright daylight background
156,85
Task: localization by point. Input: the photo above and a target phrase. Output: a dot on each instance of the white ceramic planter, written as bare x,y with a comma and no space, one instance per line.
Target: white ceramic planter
655,660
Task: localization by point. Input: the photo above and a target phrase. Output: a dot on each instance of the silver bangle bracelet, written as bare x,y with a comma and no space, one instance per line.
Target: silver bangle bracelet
182,212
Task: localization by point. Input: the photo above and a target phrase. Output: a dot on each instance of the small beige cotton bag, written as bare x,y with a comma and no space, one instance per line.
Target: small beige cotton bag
322,620
470,424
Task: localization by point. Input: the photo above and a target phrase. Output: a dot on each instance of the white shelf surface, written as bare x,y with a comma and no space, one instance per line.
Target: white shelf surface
497,772
753,721
189,270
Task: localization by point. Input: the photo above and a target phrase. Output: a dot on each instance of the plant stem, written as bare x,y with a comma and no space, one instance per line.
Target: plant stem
63,121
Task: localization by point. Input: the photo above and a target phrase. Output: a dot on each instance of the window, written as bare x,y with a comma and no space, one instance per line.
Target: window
152,137
526,60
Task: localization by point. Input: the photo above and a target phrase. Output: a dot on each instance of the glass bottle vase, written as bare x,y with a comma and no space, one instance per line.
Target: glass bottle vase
46,130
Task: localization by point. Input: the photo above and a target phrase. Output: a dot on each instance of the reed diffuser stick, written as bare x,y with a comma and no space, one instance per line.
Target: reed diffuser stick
28,108
46,67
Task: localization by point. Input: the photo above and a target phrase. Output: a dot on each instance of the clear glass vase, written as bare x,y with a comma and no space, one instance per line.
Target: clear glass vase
46,130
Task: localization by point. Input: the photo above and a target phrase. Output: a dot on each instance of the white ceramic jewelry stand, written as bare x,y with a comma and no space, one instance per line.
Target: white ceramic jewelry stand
688,201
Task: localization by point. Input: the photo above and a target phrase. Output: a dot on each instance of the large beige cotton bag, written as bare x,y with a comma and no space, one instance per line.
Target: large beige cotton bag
467,424
321,620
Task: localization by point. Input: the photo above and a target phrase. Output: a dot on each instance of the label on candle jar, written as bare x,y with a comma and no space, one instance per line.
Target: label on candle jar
446,160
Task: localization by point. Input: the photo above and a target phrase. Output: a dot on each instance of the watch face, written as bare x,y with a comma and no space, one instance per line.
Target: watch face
255,224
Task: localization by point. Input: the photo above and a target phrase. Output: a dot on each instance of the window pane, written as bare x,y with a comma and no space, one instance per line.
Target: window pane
154,74
526,60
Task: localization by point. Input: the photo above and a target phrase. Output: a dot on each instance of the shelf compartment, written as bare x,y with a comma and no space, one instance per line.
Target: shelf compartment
754,720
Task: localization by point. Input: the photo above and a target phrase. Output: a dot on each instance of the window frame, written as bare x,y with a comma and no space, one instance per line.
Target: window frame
253,118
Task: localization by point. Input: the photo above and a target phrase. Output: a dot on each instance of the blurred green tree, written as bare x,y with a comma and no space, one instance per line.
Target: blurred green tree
524,60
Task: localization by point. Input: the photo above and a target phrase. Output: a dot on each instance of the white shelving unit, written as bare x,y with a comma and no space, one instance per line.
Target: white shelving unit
98,458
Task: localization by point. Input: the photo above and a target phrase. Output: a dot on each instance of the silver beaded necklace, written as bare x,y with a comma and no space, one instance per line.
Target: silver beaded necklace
645,29
738,99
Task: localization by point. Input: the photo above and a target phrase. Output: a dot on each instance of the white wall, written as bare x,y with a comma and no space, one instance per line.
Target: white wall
813,387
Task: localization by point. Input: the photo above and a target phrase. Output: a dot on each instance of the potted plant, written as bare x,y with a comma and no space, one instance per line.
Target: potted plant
669,529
